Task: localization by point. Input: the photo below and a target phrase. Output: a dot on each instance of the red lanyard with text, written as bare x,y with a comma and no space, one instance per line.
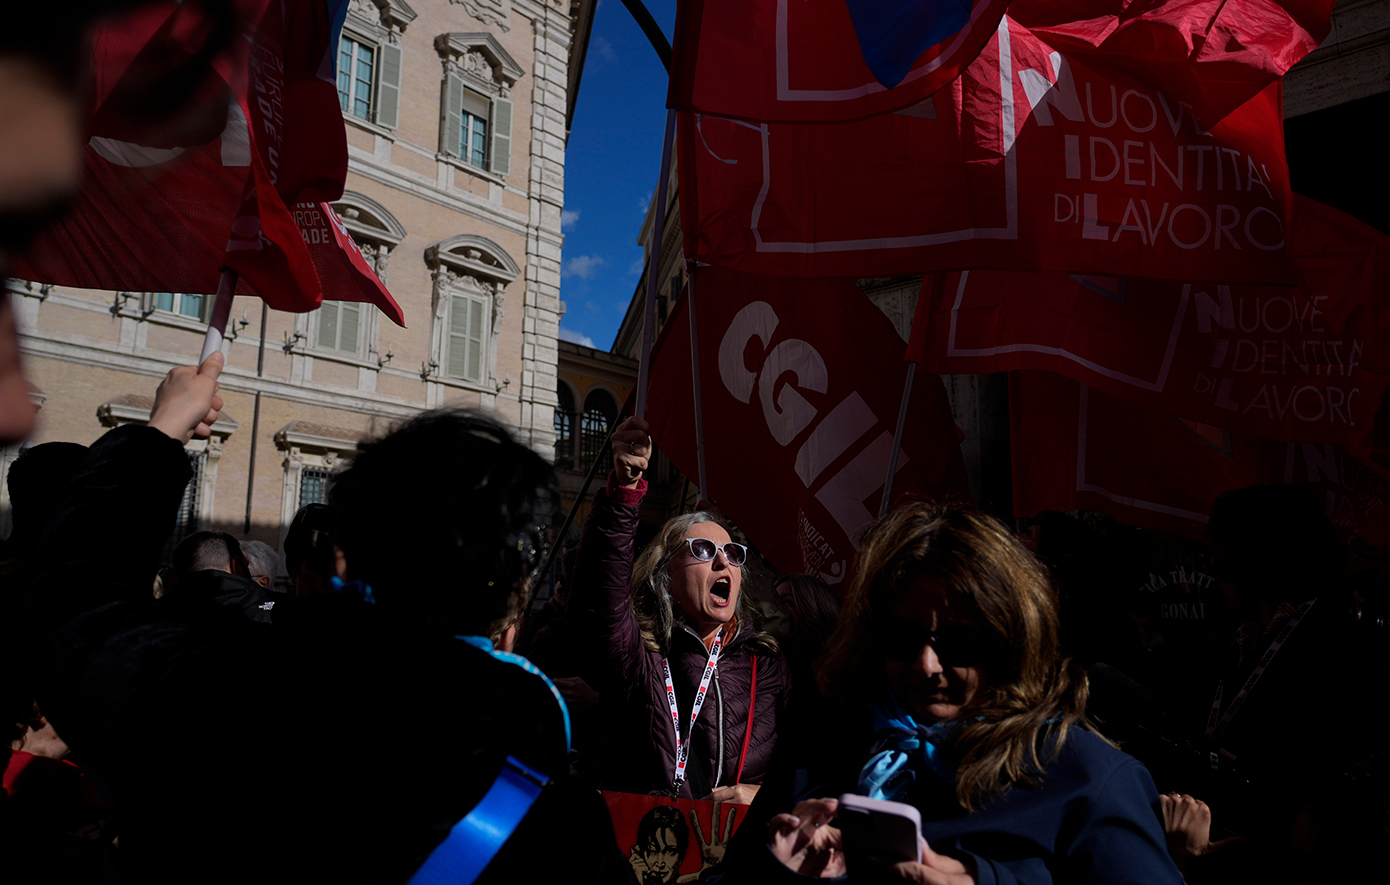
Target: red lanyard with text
683,747
1213,725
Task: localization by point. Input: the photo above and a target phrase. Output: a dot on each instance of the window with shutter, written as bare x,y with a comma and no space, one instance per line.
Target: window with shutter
453,114
501,150
339,327
388,95
466,344
356,76
473,129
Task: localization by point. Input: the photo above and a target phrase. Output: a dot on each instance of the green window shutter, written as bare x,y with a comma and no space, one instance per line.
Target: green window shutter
475,340
458,337
388,90
501,124
350,321
453,115
328,325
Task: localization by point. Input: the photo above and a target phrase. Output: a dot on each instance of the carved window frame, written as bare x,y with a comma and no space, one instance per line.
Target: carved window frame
475,266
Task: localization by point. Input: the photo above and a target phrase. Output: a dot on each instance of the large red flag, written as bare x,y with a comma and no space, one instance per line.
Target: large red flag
170,217
1308,364
789,60
1211,55
800,386
1031,160
1075,447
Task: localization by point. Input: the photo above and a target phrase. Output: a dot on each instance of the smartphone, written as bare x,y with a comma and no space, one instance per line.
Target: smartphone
879,831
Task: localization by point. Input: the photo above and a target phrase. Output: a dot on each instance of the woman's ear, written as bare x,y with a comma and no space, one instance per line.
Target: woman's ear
339,563
507,641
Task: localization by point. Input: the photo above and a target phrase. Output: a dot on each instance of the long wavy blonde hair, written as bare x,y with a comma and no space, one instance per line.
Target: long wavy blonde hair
651,586
1031,692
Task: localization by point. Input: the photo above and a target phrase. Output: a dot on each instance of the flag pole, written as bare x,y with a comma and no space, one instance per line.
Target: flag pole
897,440
702,479
654,266
221,311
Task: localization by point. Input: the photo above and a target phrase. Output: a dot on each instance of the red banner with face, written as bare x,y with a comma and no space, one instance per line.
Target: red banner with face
1031,160
800,381
1075,447
672,840
1305,364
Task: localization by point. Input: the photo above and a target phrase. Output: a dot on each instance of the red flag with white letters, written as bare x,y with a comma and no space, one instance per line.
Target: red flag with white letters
1309,363
1033,159
1075,447
801,382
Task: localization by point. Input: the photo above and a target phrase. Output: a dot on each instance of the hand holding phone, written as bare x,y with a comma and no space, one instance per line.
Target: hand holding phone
879,832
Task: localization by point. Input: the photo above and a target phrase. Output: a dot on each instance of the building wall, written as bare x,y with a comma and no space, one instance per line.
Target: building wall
434,225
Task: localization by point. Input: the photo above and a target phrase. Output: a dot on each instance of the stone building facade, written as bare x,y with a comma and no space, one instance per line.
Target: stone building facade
457,114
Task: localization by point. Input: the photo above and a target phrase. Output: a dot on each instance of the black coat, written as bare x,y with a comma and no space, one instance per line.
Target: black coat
339,745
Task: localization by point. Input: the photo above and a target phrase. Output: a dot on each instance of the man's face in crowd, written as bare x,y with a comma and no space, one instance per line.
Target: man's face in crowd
662,856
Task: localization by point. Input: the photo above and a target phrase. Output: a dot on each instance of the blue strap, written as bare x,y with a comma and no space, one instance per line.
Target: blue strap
474,841
482,642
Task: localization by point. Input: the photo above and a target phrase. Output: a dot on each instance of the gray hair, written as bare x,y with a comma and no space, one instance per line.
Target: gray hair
261,559
651,585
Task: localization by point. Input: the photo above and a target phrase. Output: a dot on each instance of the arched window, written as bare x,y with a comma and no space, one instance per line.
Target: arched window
600,411
564,426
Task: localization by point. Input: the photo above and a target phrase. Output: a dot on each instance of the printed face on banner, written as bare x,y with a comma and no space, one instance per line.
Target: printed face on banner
1031,160
799,413
672,840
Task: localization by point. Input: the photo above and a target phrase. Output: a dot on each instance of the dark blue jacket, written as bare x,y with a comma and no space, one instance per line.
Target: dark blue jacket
1093,818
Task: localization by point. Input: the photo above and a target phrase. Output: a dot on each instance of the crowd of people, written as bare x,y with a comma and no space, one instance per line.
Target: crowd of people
191,717
393,719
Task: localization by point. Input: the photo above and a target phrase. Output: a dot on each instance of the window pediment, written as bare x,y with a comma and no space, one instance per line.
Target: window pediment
479,58
472,255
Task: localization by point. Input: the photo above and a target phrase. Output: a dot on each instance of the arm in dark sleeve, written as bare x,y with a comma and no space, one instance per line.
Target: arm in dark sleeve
600,598
115,516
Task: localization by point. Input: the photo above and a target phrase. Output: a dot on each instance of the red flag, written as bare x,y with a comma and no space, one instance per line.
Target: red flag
170,218
1075,447
800,407
1031,160
790,61
1211,55
1308,364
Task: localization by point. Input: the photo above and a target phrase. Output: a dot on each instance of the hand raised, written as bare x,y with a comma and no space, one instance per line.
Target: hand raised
712,849
632,447
186,403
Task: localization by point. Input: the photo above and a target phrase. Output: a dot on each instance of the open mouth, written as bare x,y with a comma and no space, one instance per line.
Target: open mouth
721,590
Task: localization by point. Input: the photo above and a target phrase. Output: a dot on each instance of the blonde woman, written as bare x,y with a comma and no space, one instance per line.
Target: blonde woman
691,690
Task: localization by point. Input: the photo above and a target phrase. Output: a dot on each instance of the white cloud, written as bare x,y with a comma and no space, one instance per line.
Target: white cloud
605,49
635,267
643,202
583,266
567,219
576,337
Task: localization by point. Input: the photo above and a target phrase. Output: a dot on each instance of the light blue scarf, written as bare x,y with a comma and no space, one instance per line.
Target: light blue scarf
902,750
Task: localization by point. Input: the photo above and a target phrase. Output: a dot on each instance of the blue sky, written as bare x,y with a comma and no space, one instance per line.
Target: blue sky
610,171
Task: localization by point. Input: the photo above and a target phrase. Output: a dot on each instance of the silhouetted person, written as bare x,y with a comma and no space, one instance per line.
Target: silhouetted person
309,556
210,568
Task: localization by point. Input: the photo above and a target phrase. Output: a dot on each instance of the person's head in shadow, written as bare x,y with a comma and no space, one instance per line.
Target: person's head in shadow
208,551
309,552
36,481
442,518
813,605
262,563
1272,545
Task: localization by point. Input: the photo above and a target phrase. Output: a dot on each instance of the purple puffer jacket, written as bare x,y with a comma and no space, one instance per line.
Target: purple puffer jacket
640,744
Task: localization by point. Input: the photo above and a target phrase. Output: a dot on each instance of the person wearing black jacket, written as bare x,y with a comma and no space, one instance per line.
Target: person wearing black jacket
344,742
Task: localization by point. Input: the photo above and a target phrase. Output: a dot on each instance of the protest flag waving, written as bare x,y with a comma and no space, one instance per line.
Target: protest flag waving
792,61
1306,363
1033,159
798,424
171,216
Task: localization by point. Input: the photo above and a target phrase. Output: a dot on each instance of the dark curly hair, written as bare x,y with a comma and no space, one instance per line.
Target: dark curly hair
442,518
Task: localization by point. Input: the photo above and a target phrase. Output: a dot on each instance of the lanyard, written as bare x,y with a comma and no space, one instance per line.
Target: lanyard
683,747
1213,725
